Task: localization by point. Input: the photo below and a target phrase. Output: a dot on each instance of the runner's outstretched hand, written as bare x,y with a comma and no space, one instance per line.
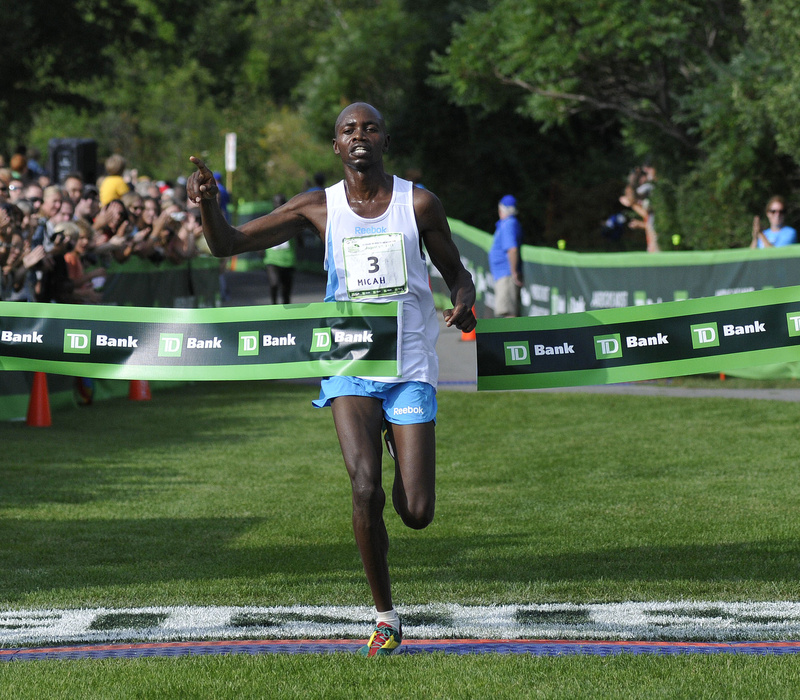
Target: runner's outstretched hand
201,183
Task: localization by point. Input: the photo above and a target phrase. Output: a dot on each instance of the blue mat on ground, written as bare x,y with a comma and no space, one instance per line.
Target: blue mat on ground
533,647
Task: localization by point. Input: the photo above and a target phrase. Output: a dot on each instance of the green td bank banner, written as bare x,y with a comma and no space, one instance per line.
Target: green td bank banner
562,281
254,342
715,334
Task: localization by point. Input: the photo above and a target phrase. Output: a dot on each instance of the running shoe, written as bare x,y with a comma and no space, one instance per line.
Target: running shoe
384,641
84,391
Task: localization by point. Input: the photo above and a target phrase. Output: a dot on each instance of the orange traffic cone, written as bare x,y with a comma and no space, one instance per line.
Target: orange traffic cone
39,403
471,334
139,390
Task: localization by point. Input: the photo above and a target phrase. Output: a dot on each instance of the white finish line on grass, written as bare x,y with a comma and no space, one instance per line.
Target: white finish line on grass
656,621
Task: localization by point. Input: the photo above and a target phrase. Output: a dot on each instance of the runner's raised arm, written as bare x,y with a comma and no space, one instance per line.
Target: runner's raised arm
306,210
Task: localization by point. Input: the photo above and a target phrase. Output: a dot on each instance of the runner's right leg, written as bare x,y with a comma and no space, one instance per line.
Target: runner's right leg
358,421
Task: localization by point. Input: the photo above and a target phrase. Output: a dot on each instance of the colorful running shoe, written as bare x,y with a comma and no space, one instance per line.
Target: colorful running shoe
384,641
84,391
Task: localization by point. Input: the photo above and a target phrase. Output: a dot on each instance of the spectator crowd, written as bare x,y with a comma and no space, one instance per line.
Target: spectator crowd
57,239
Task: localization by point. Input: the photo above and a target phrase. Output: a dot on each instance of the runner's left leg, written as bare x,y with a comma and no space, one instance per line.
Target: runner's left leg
414,491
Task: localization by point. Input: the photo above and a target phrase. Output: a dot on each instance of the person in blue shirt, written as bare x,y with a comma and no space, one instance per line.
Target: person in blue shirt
777,235
505,261
224,196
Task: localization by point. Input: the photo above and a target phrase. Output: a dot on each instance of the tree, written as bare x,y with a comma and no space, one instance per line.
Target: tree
553,100
631,59
775,39
747,134
692,86
47,53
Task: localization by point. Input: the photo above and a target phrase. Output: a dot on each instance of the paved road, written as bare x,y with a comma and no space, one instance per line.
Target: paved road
457,362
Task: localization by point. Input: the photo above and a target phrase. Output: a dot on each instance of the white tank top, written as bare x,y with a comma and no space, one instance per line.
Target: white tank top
380,260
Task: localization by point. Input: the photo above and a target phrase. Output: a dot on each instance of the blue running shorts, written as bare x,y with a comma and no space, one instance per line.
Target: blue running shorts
404,403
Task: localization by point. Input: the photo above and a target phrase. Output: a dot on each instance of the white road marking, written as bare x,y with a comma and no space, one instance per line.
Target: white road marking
657,621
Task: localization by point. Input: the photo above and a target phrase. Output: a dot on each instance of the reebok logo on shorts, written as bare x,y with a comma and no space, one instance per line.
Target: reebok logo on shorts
407,411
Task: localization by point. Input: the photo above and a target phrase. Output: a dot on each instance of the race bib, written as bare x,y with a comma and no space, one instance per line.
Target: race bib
375,266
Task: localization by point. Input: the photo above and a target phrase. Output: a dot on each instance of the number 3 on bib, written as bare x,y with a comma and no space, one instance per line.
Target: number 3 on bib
375,266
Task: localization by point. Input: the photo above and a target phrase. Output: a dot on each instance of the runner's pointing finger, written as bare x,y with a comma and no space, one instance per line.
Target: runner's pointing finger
201,183
199,163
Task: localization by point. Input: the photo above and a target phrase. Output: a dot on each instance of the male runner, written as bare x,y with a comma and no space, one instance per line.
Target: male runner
370,208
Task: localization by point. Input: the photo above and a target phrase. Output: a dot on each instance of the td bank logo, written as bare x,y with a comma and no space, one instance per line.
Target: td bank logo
170,344
77,341
607,347
321,340
704,335
517,353
248,343
793,320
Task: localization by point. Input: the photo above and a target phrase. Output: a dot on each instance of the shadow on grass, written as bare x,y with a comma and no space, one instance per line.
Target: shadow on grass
76,554
48,555
91,453
76,484
507,559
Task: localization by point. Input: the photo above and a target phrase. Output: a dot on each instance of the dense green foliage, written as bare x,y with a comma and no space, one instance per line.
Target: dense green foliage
702,90
554,100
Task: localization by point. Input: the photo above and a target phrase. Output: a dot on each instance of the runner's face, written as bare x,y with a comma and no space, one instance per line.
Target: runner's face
361,138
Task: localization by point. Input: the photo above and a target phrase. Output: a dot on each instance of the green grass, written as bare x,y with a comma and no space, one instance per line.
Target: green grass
235,494
716,381
419,676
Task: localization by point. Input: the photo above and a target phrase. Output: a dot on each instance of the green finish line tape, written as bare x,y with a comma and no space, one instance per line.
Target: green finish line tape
253,342
697,336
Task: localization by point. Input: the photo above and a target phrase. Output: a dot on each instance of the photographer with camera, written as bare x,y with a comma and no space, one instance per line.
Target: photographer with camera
55,283
636,197
43,240
52,198
172,235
